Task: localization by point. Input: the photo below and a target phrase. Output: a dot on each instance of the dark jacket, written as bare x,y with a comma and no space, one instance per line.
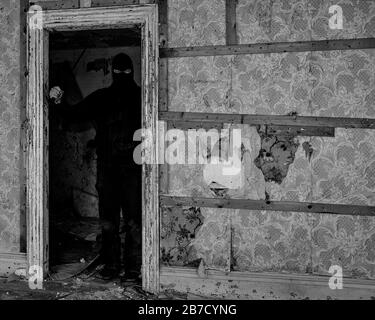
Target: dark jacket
116,114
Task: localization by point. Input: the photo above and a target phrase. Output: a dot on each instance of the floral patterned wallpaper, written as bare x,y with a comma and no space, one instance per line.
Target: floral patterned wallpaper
332,83
331,170
301,20
186,240
196,22
12,214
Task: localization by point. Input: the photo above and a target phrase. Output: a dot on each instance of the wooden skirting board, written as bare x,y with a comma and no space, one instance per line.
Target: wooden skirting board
268,286
10,262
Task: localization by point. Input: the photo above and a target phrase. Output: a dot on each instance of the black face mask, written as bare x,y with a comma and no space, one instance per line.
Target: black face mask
122,62
122,79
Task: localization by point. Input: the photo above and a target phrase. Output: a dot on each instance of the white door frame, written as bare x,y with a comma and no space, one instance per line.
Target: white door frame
40,23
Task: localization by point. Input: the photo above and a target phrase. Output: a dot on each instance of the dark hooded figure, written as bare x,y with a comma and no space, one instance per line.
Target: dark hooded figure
116,114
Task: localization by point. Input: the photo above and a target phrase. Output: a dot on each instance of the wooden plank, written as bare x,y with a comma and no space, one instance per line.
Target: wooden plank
230,22
163,64
44,127
37,145
71,4
230,39
247,204
24,7
56,4
163,22
261,285
276,120
163,84
261,48
301,131
185,125
272,130
150,176
109,3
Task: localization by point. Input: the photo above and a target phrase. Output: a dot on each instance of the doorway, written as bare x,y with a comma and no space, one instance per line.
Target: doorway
91,24
80,64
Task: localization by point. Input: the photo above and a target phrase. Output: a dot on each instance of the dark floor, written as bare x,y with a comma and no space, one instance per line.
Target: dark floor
75,289
78,289
75,265
73,240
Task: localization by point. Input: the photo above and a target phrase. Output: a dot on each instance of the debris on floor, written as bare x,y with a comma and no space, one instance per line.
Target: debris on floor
80,288
74,289
74,243
67,270
74,273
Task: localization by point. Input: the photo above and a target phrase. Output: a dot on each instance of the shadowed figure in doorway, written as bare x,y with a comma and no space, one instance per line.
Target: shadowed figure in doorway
115,113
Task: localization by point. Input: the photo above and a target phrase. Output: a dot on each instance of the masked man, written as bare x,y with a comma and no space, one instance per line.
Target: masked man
116,114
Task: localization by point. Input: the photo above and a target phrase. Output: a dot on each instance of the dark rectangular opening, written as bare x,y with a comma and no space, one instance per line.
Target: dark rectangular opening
80,65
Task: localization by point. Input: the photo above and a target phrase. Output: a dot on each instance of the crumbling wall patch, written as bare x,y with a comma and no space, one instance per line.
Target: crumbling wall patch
276,155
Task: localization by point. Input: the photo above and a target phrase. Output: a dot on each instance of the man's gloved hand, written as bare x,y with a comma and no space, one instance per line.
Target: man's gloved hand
56,94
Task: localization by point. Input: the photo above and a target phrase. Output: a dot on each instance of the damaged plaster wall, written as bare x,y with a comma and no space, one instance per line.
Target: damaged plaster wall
12,63
332,170
73,161
276,154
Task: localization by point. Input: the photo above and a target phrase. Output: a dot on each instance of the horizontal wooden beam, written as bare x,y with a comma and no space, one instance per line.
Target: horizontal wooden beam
306,131
272,120
108,3
276,47
56,4
271,130
247,204
71,4
186,125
